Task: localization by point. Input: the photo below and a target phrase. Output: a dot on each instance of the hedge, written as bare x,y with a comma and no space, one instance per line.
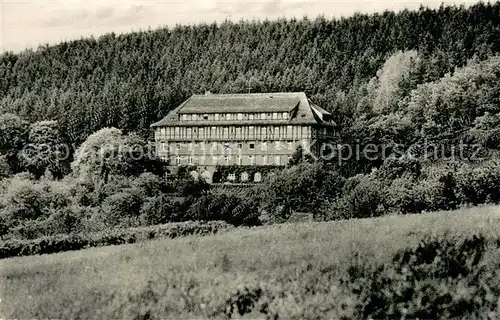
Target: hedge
61,243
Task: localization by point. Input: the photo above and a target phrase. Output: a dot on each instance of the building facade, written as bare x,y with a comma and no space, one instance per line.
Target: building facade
257,129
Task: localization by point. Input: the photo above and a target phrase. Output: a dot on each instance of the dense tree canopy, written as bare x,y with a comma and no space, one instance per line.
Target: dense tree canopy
129,81
45,151
13,135
110,152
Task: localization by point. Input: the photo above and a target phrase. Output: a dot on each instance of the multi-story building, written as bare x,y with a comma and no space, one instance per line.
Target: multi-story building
256,129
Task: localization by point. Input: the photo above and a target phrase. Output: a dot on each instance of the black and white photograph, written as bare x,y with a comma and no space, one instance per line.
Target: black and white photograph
261,159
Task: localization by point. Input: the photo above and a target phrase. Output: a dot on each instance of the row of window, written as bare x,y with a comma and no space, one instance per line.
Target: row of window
235,116
229,160
234,132
244,177
228,146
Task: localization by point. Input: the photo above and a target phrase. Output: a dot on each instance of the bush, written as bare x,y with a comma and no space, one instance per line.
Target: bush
437,192
302,188
230,208
191,188
364,198
60,243
479,184
158,210
397,167
5,169
23,200
65,221
400,196
123,207
441,278
149,184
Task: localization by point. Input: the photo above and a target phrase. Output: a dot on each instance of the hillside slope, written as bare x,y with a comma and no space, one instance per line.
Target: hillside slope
431,265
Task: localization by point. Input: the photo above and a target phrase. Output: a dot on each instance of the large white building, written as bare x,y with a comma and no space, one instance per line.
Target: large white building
257,129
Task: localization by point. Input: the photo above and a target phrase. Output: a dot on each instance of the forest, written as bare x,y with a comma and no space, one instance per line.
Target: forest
402,80
129,81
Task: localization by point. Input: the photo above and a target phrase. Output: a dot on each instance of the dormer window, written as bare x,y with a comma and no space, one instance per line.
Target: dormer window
184,117
285,115
250,116
240,116
228,116
263,116
216,117
205,117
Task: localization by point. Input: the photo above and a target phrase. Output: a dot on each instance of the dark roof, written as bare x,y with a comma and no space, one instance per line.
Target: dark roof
294,102
321,110
221,103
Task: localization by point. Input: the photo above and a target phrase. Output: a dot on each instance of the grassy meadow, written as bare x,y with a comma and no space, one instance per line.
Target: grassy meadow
288,271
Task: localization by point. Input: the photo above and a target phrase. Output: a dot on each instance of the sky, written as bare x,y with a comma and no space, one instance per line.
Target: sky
30,23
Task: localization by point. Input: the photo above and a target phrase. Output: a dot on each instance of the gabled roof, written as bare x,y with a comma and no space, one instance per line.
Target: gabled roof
319,109
296,103
253,102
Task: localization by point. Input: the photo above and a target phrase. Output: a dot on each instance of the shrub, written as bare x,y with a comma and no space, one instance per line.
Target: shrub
304,188
226,207
441,278
403,196
364,199
149,184
5,169
60,243
243,301
23,200
124,203
64,221
397,167
437,192
157,210
191,188
480,184
56,195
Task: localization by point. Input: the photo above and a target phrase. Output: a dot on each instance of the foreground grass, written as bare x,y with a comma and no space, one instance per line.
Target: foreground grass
286,271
